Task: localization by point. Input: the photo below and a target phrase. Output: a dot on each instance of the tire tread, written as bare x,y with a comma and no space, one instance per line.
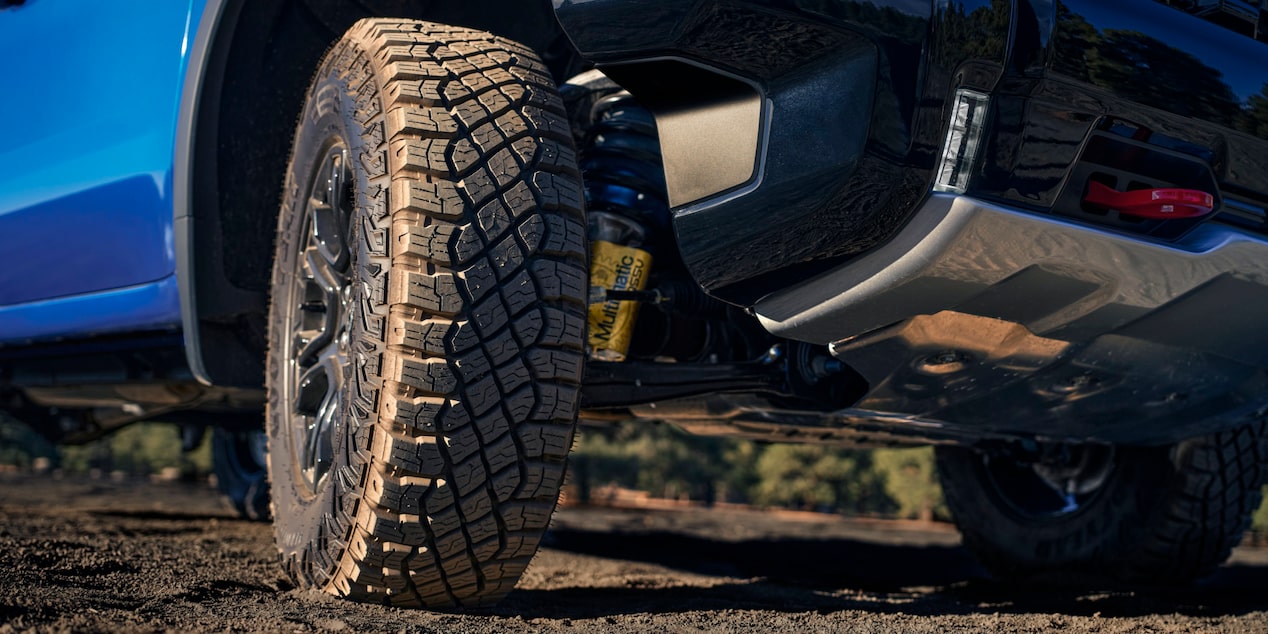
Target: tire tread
479,356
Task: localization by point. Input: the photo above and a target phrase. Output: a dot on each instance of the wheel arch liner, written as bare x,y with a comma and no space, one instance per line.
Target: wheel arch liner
183,235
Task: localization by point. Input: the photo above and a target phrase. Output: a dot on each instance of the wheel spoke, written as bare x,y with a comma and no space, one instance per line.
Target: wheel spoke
316,408
330,215
318,449
328,279
312,388
328,234
329,284
305,350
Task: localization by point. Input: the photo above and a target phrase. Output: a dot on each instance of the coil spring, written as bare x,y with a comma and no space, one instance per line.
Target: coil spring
622,165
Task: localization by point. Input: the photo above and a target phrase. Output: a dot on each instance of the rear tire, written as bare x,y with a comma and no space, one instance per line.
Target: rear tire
239,463
1163,515
427,319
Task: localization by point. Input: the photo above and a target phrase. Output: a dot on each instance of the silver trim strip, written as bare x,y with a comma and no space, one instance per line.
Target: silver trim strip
957,247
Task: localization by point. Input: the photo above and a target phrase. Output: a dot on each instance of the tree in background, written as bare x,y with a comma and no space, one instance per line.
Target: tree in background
140,449
659,459
667,462
1254,117
819,477
1259,521
911,480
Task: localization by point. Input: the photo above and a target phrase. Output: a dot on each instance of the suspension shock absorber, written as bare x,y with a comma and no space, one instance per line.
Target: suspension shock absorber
626,211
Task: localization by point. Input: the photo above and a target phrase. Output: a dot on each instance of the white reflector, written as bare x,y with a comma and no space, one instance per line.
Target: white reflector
960,150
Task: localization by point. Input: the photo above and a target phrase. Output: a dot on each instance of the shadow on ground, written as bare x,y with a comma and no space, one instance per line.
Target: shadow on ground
833,575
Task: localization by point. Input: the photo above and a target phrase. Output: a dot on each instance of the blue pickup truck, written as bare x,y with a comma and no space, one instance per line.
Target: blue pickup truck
412,243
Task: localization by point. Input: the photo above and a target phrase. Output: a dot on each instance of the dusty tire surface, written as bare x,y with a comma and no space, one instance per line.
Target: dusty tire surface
1166,515
456,355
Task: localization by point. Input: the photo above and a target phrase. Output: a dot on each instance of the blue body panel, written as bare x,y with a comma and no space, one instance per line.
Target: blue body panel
92,92
146,307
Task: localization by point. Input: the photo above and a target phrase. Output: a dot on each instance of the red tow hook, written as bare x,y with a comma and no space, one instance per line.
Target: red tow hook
1159,204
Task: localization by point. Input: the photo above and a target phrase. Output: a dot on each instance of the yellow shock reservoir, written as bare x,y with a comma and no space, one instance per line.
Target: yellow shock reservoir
615,268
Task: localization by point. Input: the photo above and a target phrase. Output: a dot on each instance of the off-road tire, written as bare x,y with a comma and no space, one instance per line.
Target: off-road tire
241,475
1166,515
467,326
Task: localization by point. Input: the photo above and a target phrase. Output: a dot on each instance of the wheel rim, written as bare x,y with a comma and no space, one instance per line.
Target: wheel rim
1062,483
318,315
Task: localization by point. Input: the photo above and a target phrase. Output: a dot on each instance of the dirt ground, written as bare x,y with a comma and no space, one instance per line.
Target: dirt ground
81,555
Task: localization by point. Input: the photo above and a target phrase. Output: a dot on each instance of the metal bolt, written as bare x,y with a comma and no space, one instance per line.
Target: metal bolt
775,353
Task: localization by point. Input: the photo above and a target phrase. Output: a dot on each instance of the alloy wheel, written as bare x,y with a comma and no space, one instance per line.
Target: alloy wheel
319,311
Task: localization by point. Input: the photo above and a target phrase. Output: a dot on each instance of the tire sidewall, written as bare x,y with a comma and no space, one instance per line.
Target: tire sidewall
310,543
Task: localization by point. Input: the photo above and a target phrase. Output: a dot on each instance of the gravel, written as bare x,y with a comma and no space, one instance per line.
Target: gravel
80,555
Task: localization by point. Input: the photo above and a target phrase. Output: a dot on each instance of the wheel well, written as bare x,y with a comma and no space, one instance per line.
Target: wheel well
259,64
